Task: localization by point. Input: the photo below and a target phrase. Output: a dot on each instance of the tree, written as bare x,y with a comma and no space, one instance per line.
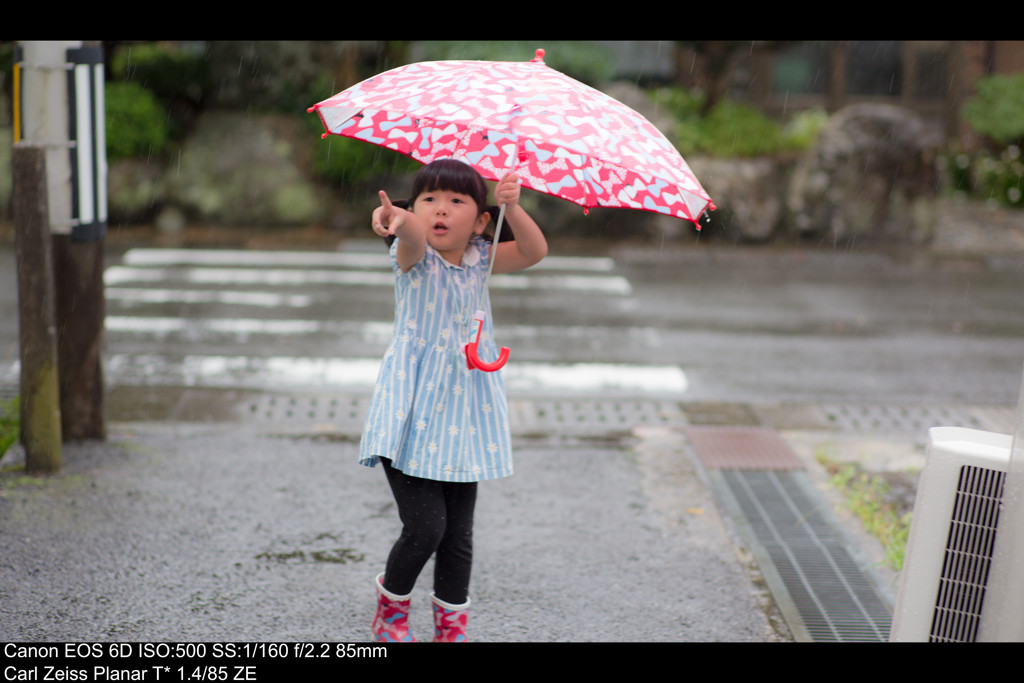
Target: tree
718,59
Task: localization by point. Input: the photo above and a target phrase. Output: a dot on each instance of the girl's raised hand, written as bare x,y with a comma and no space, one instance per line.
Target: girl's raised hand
507,190
386,218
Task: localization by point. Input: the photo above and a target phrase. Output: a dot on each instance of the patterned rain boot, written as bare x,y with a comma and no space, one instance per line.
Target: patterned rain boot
449,621
391,623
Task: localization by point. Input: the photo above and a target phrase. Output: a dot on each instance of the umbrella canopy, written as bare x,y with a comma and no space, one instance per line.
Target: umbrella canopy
561,137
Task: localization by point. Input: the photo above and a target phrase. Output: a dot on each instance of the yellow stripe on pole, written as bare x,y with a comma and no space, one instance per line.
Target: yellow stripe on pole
17,102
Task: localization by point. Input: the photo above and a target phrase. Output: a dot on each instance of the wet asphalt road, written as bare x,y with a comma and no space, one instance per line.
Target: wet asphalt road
220,528
749,325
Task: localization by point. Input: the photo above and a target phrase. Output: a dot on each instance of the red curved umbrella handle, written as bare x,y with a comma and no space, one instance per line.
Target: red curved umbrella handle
472,359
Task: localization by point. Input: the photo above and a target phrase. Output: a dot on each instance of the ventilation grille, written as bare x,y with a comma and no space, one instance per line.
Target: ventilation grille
968,556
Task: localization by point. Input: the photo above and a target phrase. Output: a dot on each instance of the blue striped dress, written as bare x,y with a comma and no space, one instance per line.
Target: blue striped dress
430,415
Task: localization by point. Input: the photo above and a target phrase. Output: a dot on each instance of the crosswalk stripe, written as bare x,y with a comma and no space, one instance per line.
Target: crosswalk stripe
305,259
120,275
210,296
187,276
284,372
373,332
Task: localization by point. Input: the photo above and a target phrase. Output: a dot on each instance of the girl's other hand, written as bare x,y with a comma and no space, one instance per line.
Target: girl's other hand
386,218
507,191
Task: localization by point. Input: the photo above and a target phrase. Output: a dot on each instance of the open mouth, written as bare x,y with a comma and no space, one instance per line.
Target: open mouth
440,229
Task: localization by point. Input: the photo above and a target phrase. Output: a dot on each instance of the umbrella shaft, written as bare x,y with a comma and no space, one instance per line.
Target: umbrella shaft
494,252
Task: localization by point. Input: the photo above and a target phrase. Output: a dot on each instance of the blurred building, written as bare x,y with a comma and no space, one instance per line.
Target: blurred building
933,78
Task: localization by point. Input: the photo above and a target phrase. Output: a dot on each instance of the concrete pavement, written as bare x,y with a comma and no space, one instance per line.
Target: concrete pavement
212,532
248,530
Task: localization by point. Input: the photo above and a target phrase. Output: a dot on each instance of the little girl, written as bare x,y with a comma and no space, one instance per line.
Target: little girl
436,426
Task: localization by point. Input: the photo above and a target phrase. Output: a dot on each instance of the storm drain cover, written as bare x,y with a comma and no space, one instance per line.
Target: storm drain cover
805,558
527,417
898,418
828,596
595,417
337,412
745,448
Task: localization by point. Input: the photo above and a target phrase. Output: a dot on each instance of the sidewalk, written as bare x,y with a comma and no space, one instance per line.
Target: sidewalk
268,531
213,532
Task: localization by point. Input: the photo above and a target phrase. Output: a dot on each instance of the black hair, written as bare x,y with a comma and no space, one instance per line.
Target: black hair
452,175
455,176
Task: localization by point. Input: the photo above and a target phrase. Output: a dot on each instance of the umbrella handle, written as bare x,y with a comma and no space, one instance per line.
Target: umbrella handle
472,359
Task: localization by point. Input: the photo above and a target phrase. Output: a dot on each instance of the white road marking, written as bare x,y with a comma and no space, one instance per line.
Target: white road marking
167,275
372,332
305,259
131,295
253,372
118,276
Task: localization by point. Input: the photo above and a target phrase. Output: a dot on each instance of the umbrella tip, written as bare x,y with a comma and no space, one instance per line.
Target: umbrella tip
538,56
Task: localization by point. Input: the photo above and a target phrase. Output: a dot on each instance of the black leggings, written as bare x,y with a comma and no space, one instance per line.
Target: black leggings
437,518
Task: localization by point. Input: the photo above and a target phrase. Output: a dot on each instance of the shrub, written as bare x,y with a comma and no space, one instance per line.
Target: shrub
136,121
349,161
1000,177
733,129
868,497
992,177
996,111
171,73
802,130
736,130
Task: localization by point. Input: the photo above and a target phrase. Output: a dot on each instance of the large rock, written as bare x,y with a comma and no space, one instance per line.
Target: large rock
245,169
871,174
235,169
749,193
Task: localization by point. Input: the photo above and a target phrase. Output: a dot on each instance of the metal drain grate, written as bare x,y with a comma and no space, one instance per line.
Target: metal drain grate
898,418
823,592
575,417
343,413
815,579
338,412
744,448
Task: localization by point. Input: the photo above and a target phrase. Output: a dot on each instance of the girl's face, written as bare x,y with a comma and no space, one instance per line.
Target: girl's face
452,219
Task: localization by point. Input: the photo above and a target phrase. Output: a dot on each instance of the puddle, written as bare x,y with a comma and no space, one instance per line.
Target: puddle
319,548
332,555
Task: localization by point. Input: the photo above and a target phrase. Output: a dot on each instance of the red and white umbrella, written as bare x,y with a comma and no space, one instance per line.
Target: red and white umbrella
560,136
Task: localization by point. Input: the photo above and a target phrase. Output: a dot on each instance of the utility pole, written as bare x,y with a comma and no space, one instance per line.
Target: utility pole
40,400
60,108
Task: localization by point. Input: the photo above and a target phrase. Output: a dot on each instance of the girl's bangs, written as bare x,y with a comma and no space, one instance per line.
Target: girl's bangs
454,176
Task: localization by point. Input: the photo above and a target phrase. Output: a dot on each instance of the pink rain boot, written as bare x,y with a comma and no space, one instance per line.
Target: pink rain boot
449,621
391,623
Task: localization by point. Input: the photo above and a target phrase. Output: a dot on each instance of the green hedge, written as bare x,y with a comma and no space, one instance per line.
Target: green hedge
348,161
991,176
136,121
733,129
169,72
996,110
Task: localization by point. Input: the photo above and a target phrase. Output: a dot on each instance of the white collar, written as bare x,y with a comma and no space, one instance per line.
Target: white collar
470,257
